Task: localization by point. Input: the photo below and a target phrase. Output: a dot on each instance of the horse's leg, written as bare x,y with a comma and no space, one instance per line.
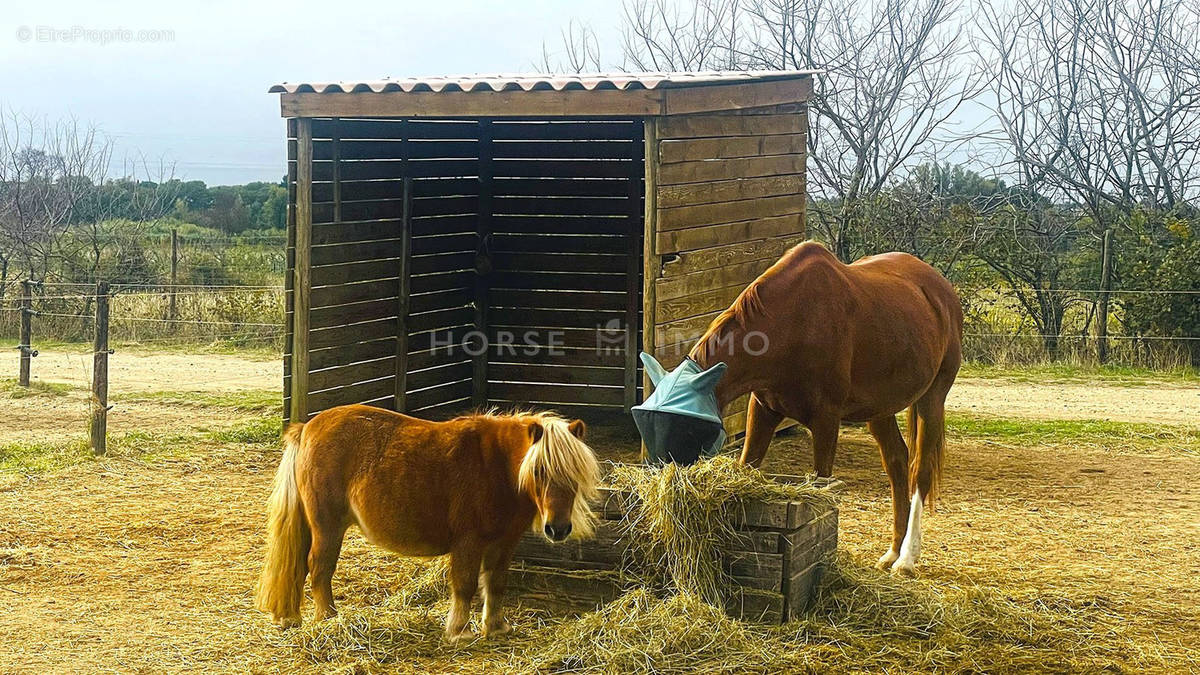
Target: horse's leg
465,557
761,423
495,581
894,453
322,561
825,429
927,461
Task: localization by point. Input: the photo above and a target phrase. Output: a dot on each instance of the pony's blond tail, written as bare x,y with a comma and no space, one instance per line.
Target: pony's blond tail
281,586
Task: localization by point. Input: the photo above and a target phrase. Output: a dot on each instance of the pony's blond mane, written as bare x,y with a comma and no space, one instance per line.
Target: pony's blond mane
559,458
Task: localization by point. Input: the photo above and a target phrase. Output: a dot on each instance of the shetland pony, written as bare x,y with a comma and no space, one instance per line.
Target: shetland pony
468,487
824,343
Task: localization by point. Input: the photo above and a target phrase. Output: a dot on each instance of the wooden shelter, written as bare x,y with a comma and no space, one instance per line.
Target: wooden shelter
569,220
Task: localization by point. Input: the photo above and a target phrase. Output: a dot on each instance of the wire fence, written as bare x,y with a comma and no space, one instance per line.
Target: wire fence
998,328
162,335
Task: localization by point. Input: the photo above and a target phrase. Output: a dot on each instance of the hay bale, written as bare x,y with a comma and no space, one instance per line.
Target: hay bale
681,522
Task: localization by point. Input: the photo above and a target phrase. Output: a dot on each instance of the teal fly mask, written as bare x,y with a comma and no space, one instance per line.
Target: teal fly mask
681,421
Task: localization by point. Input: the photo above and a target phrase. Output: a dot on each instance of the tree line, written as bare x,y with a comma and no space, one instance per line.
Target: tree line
69,212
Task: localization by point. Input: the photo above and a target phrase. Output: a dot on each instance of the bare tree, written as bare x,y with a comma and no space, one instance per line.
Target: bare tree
47,170
580,51
891,75
667,35
1098,105
61,215
1031,244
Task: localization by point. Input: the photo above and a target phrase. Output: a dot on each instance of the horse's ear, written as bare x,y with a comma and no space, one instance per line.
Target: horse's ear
577,428
709,378
653,368
535,432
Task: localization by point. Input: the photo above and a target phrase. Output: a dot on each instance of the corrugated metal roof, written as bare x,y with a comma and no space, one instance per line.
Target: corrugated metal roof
542,82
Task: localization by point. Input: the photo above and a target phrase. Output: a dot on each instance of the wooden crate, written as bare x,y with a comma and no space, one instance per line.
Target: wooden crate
776,565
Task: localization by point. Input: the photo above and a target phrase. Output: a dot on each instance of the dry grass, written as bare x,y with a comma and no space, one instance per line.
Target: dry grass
1040,558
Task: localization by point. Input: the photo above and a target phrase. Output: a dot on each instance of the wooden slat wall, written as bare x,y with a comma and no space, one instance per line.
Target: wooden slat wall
565,210
730,198
445,170
562,197
358,210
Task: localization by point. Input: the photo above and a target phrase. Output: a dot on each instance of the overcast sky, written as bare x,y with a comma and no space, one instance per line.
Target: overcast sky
192,88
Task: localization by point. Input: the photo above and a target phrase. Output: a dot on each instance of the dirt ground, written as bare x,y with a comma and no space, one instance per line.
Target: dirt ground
140,371
137,566
130,373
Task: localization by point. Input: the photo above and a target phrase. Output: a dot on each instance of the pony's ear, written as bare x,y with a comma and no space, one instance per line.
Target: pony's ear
653,368
535,432
577,428
708,379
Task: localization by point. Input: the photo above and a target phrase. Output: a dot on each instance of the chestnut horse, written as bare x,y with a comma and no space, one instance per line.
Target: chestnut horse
468,487
824,343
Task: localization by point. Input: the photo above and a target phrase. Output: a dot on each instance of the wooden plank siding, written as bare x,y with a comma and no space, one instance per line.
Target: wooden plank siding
566,217
510,226
388,266
729,195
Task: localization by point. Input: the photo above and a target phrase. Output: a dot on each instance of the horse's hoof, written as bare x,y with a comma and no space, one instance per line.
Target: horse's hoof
907,570
886,560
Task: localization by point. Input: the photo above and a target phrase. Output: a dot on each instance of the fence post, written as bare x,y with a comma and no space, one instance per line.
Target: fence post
171,312
26,346
1105,287
99,426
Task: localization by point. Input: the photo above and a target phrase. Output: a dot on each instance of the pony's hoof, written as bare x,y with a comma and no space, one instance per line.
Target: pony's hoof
907,570
287,622
886,560
503,629
464,635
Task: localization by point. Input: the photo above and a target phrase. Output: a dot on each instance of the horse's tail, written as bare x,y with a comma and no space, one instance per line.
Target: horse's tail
911,428
281,586
925,468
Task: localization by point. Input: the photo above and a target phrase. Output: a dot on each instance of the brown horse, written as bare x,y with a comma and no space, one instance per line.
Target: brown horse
468,487
823,343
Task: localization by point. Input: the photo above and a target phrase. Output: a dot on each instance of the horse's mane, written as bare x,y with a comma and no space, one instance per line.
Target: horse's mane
747,306
558,457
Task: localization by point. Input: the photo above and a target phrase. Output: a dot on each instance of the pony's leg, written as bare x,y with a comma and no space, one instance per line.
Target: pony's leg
495,581
322,561
825,431
464,581
761,423
894,453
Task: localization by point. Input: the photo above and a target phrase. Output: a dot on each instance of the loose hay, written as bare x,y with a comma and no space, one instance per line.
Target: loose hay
865,621
681,520
640,632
